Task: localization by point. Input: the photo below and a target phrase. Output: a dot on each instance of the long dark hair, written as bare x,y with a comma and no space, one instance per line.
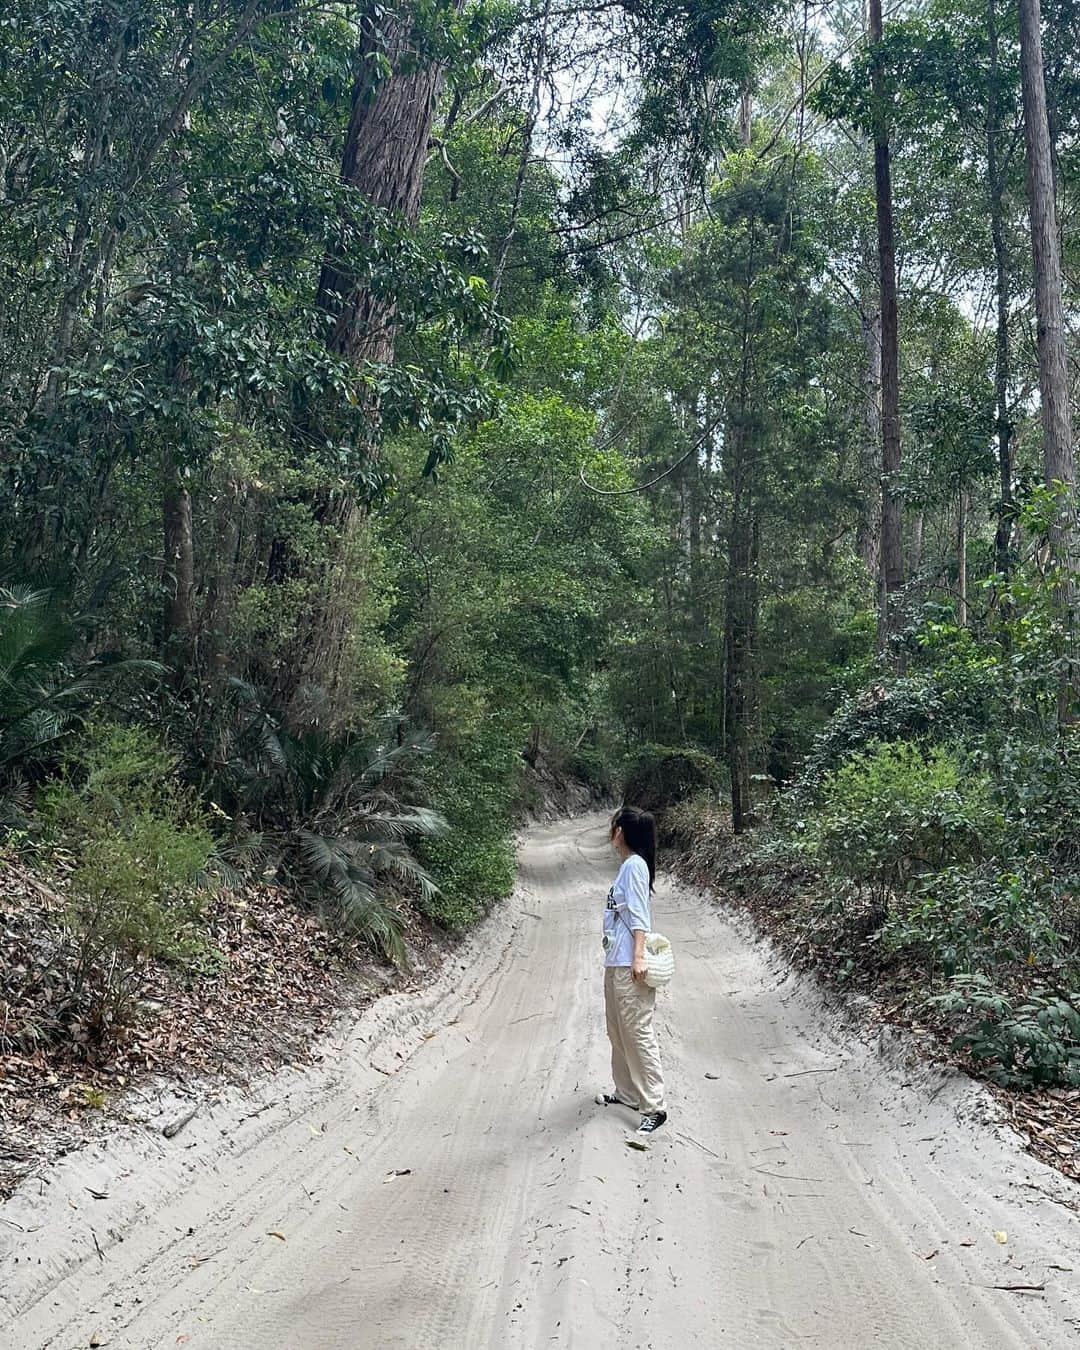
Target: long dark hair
639,831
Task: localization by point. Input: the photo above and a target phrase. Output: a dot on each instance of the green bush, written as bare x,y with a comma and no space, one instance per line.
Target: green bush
695,820
594,768
474,862
139,846
659,777
332,814
973,920
898,811
1018,1040
1040,790
936,706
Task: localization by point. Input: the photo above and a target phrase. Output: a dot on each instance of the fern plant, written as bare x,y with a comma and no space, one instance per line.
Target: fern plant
45,686
333,815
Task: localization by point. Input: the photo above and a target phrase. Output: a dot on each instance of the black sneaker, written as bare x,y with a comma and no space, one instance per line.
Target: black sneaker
651,1121
608,1099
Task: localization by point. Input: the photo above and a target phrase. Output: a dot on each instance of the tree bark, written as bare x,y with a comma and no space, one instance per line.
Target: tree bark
1058,468
221,589
1058,465
868,530
392,110
961,558
995,182
385,153
740,644
892,557
178,579
915,549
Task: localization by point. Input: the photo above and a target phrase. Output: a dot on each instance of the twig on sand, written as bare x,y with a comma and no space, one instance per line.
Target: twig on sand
1015,1288
800,1072
784,1177
691,1140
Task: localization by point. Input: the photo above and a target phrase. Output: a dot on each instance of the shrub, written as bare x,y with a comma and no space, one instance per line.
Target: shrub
46,685
695,820
659,777
937,706
973,920
1026,1040
140,847
474,861
335,815
594,768
1040,789
897,811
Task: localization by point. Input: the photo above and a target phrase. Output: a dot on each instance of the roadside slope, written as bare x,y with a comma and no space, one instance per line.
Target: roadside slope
465,1192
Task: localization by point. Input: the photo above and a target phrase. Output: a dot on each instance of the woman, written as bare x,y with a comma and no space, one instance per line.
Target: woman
628,1000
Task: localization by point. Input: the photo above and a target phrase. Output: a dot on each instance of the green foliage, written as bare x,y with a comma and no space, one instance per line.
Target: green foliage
594,767
474,860
696,823
898,810
1027,1040
45,685
139,846
331,815
974,920
942,705
659,777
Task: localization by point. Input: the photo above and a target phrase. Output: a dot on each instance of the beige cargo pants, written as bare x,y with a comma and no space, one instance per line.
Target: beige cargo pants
635,1056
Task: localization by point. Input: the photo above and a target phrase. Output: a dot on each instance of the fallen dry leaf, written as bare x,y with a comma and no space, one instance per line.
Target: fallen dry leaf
275,1233
637,1144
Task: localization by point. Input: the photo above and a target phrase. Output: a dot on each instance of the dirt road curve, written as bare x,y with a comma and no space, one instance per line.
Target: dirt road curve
812,1193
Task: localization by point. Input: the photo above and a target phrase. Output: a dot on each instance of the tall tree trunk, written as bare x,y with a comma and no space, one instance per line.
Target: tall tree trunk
740,655
221,588
892,557
741,590
1046,251
868,529
961,558
1058,468
995,184
527,131
385,153
915,548
394,99
178,579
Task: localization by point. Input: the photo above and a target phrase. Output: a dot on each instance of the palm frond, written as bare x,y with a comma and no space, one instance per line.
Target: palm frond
417,822
399,860
389,758
368,916
322,856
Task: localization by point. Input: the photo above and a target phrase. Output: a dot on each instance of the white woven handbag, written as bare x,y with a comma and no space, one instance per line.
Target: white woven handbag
659,960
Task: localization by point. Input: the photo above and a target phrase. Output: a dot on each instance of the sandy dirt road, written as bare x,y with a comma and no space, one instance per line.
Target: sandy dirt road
808,1191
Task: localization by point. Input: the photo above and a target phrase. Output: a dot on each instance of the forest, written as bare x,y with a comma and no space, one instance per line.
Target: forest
406,407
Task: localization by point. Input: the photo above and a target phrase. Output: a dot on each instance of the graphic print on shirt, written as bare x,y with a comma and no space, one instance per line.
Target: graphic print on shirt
627,908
